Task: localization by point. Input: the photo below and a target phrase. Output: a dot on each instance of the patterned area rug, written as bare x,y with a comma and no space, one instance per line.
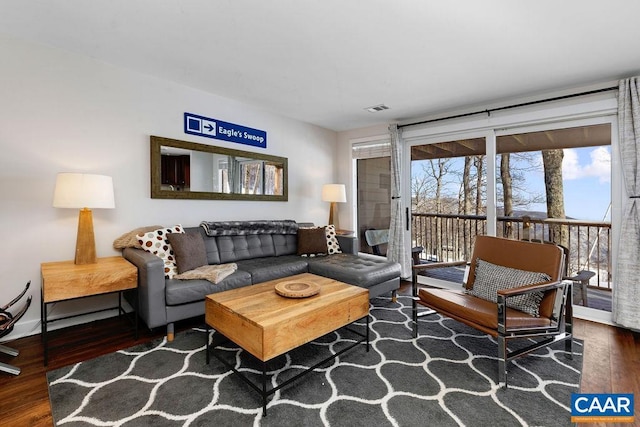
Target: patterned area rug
445,377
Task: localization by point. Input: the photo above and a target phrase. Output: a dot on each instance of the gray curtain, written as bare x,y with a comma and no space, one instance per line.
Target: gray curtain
396,251
233,174
626,292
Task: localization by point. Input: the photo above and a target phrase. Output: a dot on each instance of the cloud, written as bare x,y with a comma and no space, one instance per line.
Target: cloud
599,166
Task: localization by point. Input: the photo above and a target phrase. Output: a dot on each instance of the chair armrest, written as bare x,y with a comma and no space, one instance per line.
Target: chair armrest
431,265
503,294
527,289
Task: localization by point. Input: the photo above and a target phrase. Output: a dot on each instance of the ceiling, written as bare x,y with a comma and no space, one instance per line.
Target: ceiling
325,61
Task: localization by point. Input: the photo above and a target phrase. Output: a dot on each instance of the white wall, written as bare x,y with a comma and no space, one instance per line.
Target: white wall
63,112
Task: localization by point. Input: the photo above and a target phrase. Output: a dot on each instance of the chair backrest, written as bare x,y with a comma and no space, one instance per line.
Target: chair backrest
376,237
523,255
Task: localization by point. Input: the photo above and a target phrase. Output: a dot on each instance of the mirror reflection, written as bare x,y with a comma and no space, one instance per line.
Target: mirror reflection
181,169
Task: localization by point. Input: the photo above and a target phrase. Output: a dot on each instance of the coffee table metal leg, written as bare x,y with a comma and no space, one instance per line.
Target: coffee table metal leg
207,329
367,332
264,389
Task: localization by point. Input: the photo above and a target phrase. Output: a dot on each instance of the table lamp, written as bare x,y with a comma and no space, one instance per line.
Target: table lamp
84,192
334,193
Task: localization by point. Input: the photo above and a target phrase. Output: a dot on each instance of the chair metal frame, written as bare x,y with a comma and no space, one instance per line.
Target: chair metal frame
7,321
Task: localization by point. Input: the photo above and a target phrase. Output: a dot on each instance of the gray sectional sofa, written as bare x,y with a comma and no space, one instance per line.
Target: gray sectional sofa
262,250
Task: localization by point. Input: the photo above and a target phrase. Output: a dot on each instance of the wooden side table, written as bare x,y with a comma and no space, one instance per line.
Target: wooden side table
64,281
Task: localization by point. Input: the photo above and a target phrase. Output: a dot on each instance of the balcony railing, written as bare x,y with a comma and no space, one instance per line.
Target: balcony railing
447,237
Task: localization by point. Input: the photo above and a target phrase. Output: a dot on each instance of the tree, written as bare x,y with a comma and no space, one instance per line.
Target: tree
466,186
552,161
507,191
479,163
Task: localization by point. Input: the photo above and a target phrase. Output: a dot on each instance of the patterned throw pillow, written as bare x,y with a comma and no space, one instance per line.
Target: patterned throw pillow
333,246
490,278
156,242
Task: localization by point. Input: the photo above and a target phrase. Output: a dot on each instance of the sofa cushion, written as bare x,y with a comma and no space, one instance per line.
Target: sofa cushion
185,291
264,269
285,244
355,270
489,278
156,242
236,248
189,250
312,241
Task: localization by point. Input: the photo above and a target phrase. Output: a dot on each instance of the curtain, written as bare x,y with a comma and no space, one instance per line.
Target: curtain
233,174
396,250
626,293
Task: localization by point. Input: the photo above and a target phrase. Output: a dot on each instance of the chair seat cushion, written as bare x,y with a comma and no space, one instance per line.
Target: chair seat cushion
476,311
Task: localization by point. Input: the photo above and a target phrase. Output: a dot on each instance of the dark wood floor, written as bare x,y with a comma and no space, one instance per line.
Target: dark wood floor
611,363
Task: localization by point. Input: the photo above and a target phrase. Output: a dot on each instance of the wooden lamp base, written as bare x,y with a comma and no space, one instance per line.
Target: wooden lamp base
85,242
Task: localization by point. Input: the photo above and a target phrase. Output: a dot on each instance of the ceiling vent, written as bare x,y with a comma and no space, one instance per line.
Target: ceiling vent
377,108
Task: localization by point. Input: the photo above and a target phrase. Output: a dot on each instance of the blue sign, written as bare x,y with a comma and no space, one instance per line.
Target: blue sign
217,129
602,408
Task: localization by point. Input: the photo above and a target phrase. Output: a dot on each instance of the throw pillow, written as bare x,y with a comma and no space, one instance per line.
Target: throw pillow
333,246
189,250
130,238
490,278
156,243
312,241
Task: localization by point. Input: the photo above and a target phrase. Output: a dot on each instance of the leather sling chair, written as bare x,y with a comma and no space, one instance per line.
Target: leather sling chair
497,318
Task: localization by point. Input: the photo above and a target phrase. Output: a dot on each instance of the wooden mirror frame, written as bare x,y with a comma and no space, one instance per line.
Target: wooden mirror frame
156,172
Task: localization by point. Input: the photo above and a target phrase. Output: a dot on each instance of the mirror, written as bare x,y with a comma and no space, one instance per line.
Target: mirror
188,170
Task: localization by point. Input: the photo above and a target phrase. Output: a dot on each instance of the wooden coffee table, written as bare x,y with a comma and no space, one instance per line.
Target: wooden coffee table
268,325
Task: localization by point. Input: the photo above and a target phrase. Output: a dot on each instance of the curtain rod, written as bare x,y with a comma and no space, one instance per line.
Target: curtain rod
524,104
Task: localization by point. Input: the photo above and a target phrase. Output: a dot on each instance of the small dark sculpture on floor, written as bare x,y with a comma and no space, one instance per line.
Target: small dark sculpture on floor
7,320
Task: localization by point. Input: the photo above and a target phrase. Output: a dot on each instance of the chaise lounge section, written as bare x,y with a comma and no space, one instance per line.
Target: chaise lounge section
261,250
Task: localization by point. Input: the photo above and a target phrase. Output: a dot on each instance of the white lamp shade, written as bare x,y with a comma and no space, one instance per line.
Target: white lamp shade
80,190
334,193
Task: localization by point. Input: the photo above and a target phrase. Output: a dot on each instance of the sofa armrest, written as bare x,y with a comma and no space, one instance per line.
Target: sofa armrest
151,286
348,244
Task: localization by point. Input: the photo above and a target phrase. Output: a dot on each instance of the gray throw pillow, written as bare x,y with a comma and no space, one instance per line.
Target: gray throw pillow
490,278
189,250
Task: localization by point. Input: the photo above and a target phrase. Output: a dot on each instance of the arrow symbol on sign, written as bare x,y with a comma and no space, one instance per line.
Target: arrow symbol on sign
209,127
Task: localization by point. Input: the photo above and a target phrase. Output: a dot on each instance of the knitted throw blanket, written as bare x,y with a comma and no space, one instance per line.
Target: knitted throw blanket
241,228
212,273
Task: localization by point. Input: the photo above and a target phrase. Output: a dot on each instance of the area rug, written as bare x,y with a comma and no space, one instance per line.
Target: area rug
445,377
